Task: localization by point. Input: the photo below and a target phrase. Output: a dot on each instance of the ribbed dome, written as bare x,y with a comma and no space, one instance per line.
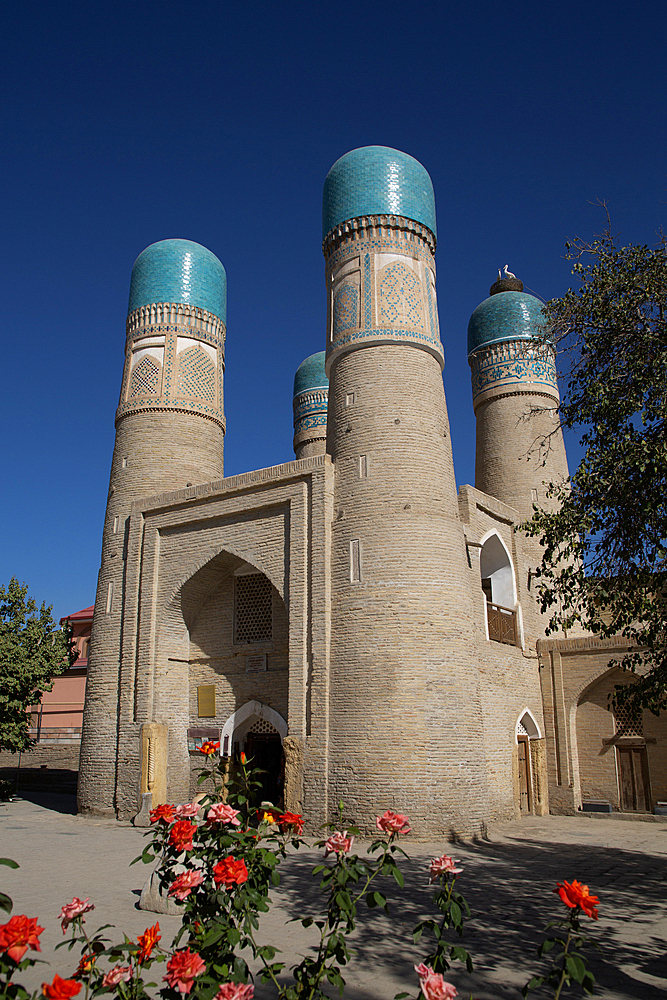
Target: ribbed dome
506,316
311,374
179,271
377,180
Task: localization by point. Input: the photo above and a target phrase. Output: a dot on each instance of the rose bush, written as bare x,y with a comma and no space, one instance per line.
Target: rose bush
219,858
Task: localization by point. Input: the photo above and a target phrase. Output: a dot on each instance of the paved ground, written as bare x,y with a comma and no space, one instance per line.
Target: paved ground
507,880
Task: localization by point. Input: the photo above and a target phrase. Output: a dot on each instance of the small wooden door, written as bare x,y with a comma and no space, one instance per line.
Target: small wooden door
635,793
525,798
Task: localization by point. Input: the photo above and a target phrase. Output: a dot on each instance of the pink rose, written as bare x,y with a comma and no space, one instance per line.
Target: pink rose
119,974
222,813
391,822
186,810
444,866
432,985
75,909
235,991
183,884
338,843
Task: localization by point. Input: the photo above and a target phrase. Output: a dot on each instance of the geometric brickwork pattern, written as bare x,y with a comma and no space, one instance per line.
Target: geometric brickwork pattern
400,297
346,308
627,724
145,378
253,620
262,726
196,375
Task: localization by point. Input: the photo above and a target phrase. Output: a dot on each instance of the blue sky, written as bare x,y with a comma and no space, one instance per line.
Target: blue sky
128,123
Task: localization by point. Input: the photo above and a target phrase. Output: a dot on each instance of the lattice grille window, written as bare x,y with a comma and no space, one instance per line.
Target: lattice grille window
262,726
252,609
627,724
145,378
196,375
521,729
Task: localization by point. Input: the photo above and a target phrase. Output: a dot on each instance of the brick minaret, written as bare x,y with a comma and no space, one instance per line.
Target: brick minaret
170,429
515,396
405,719
309,401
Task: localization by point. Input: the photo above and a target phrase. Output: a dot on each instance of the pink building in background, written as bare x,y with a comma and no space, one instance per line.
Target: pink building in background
57,719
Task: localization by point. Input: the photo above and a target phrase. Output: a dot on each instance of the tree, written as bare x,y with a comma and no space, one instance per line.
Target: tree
33,650
604,564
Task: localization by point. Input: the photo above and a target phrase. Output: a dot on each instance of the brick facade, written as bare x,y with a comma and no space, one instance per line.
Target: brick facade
348,608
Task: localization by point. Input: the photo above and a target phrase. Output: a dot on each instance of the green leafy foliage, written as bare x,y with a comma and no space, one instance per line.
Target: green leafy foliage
33,650
568,965
605,544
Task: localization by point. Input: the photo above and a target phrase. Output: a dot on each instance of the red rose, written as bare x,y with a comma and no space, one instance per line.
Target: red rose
180,835
575,894
291,821
60,989
147,942
163,813
19,934
229,872
209,747
182,968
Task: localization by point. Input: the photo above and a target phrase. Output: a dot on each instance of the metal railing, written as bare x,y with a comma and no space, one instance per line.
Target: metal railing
502,624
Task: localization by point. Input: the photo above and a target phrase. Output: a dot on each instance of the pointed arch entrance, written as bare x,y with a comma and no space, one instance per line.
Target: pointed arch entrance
258,731
527,734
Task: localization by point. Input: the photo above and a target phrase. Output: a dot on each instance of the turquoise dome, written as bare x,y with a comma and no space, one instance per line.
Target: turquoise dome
505,316
179,271
377,180
311,374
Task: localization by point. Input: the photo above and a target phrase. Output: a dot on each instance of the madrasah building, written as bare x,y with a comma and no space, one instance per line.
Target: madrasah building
360,628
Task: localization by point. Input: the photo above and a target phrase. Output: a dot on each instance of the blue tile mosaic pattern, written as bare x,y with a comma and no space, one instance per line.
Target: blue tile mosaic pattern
311,374
377,180
179,271
505,316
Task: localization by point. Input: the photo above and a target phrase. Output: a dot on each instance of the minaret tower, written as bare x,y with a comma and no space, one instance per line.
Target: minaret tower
310,398
170,429
405,730
515,396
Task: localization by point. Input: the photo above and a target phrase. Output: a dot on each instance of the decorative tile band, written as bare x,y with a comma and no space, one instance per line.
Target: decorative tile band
394,281
173,365
387,335
159,317
310,409
512,362
380,228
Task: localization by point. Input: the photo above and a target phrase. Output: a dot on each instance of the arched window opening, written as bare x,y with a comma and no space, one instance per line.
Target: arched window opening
497,580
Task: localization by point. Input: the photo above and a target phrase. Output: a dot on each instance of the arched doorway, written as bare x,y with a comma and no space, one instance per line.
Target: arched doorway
257,730
530,791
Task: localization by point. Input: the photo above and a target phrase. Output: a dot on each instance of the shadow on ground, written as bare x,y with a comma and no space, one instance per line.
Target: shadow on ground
509,887
54,801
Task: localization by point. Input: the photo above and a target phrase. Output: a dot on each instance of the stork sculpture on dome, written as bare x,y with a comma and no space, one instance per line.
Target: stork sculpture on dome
508,274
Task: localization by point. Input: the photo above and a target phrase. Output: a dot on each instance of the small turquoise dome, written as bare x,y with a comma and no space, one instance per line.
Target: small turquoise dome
311,374
179,271
377,180
505,316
